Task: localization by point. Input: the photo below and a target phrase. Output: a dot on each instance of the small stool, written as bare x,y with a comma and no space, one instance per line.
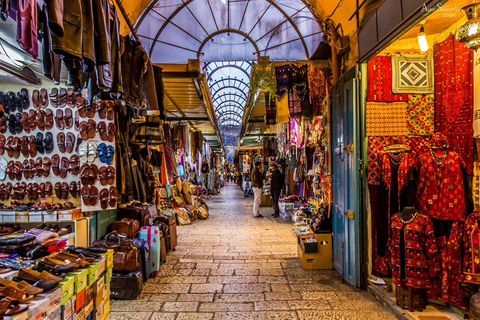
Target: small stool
411,298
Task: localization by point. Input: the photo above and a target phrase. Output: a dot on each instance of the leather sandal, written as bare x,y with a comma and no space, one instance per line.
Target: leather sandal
61,142
32,122
41,191
26,169
39,143
83,152
84,130
77,121
11,124
73,189
32,169
110,175
43,98
68,118
36,99
46,166
9,307
102,130
48,189
3,124
24,101
74,165
32,148
62,98
3,170
79,142
58,190
70,142
65,189
110,110
104,198
91,109
24,122
40,120
93,196
48,142
34,275
56,164
84,174
102,152
102,175
18,124
110,154
92,152
54,97
59,119
81,105
24,146
3,142
71,97
101,109
91,128
48,119
113,197
16,147
18,170
9,146
112,129
85,192
64,165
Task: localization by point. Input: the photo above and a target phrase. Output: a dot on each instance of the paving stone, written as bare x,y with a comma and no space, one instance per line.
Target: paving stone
183,279
246,288
346,315
309,305
280,287
166,288
233,279
271,305
195,316
280,295
262,315
239,297
184,272
220,306
319,295
130,315
180,306
206,288
201,272
122,305
272,279
163,297
271,272
246,272
196,297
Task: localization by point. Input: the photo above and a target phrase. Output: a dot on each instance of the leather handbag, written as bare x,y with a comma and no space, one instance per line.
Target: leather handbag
128,226
125,257
126,286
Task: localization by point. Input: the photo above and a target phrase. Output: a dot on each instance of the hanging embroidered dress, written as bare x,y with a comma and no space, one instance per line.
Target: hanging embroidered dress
417,253
282,75
471,243
299,85
319,83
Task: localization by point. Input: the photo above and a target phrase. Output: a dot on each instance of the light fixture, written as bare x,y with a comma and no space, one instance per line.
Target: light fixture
422,39
469,33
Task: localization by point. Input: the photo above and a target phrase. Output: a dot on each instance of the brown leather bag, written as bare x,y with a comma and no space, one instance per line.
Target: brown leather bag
125,257
128,226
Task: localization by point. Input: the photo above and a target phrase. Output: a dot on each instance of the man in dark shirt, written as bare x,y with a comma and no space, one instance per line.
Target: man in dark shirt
257,186
276,186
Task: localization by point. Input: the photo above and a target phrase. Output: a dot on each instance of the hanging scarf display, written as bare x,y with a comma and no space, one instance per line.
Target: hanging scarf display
168,153
454,96
319,83
299,85
270,109
283,81
294,106
263,78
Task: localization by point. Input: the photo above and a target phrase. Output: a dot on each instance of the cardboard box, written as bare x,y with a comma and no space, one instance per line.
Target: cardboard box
109,257
55,314
20,316
54,297
9,216
108,275
320,260
50,216
90,293
81,279
68,309
21,216
80,314
68,289
38,309
70,215
99,310
80,300
93,273
35,216
89,308
106,290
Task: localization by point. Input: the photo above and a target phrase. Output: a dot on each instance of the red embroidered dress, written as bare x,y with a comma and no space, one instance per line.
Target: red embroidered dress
440,189
420,250
471,241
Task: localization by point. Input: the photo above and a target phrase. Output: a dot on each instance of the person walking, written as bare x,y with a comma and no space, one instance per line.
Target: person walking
257,186
276,186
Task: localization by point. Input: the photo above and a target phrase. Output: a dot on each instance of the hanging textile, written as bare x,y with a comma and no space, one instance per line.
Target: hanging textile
421,115
169,164
412,74
420,251
282,109
386,119
263,78
299,85
380,81
270,109
471,258
476,97
294,106
454,96
27,37
282,75
319,83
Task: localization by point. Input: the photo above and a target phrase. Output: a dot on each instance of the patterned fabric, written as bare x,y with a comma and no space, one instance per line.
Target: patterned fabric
448,286
412,74
299,81
476,97
476,184
386,119
380,81
282,110
263,78
319,83
440,189
454,96
471,241
270,110
294,106
283,81
421,115
421,257
168,154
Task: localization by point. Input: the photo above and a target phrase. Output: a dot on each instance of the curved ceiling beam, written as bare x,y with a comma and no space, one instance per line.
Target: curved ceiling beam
230,103
184,4
210,36
231,113
229,87
227,66
224,119
229,94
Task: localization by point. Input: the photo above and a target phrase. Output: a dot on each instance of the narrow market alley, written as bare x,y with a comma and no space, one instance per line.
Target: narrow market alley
233,266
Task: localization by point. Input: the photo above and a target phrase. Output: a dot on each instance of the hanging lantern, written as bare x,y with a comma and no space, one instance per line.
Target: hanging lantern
469,33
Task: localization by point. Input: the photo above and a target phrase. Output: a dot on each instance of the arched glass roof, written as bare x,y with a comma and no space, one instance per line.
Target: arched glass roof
173,31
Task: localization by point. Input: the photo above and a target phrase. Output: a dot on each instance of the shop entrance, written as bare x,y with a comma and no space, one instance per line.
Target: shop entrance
345,182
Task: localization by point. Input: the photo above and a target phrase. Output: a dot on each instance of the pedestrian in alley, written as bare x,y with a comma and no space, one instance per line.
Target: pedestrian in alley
257,186
276,186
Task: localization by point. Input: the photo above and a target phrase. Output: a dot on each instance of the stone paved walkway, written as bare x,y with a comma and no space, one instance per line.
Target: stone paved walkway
233,266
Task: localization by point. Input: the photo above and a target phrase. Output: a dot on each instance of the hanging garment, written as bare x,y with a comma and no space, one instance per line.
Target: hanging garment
415,258
299,85
27,36
454,96
50,60
448,286
440,186
294,106
471,242
476,97
319,83
263,78
270,109
168,153
380,81
282,75
4,9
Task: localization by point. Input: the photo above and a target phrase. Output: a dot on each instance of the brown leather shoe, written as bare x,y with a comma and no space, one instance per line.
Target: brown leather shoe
102,175
36,99
101,109
112,129
69,142
81,105
65,188
74,164
24,146
93,196
68,118
84,130
85,192
46,166
33,275
64,166
91,129
48,119
59,119
73,189
58,190
102,130
56,164
40,120
61,141
43,98
110,110
104,198
91,109
48,189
